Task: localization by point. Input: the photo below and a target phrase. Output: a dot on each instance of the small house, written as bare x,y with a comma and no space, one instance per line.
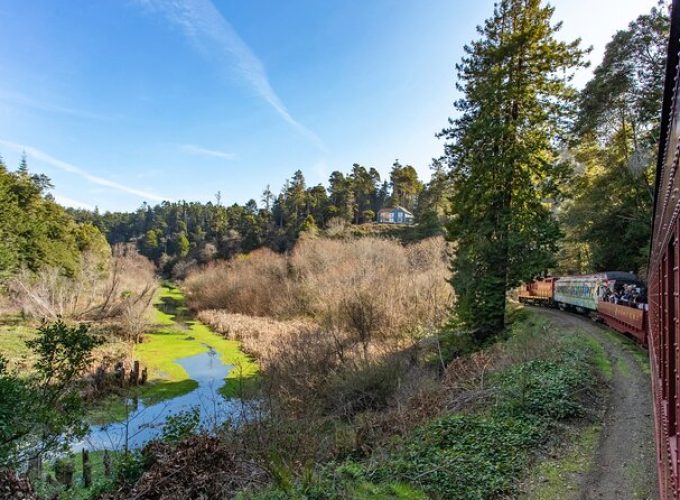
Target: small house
395,215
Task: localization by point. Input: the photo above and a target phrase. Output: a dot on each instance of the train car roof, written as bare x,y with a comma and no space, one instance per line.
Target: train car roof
610,275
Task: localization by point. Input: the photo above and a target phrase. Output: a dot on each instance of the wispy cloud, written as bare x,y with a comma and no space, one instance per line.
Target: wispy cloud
201,151
220,44
39,155
70,202
13,98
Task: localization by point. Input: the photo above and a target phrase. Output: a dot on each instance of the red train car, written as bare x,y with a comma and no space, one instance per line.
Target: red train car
664,278
625,319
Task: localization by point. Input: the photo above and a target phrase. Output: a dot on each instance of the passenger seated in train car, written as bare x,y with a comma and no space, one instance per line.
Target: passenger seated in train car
627,297
617,295
640,300
604,293
637,299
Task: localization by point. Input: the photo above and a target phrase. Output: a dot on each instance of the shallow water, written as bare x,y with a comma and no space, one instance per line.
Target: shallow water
146,422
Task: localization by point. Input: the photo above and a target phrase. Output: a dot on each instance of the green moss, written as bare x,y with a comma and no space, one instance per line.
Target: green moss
160,391
176,337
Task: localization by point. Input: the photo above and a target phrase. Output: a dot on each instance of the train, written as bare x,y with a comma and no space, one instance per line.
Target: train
655,325
663,322
600,295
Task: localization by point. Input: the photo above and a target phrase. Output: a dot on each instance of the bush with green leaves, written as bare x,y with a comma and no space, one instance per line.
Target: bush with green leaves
465,456
181,425
42,410
480,453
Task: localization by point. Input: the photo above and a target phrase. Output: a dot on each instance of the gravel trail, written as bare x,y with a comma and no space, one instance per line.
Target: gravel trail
625,463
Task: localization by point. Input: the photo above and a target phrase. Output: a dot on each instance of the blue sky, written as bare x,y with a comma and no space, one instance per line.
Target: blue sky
125,101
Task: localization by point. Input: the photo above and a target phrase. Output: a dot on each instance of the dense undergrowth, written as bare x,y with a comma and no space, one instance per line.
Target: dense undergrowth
363,391
473,431
483,450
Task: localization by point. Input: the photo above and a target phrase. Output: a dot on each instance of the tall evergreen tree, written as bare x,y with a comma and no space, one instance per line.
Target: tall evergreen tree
503,158
405,185
607,220
363,184
340,196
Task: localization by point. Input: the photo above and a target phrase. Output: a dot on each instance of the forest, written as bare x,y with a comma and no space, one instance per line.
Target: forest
364,359
180,234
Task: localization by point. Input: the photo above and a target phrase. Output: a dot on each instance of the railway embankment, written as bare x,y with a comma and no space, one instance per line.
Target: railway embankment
489,427
612,457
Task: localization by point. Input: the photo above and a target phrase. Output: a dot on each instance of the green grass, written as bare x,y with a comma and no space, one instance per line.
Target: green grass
177,337
483,452
13,337
622,367
640,355
599,356
99,482
558,478
107,410
165,294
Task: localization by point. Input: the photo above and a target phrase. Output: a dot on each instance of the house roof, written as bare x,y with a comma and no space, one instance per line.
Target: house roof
397,207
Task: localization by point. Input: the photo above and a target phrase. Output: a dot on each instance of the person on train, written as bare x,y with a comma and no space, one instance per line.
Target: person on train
629,296
604,293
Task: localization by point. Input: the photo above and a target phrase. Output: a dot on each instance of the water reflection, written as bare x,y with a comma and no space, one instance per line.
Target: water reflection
146,422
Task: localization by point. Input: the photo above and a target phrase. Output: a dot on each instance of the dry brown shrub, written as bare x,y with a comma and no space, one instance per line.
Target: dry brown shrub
260,337
197,467
120,290
15,486
327,321
371,289
252,284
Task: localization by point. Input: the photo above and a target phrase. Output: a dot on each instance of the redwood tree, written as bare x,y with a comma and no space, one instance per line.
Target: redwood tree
503,155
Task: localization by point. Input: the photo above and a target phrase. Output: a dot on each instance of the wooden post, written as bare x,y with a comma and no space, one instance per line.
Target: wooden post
120,373
134,375
145,375
35,468
107,464
99,377
87,469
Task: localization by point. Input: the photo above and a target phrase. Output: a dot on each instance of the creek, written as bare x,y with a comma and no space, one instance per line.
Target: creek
208,369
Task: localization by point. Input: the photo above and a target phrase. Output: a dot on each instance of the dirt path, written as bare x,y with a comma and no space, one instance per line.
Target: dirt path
624,464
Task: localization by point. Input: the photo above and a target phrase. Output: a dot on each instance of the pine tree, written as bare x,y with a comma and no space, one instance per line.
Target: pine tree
405,185
503,160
